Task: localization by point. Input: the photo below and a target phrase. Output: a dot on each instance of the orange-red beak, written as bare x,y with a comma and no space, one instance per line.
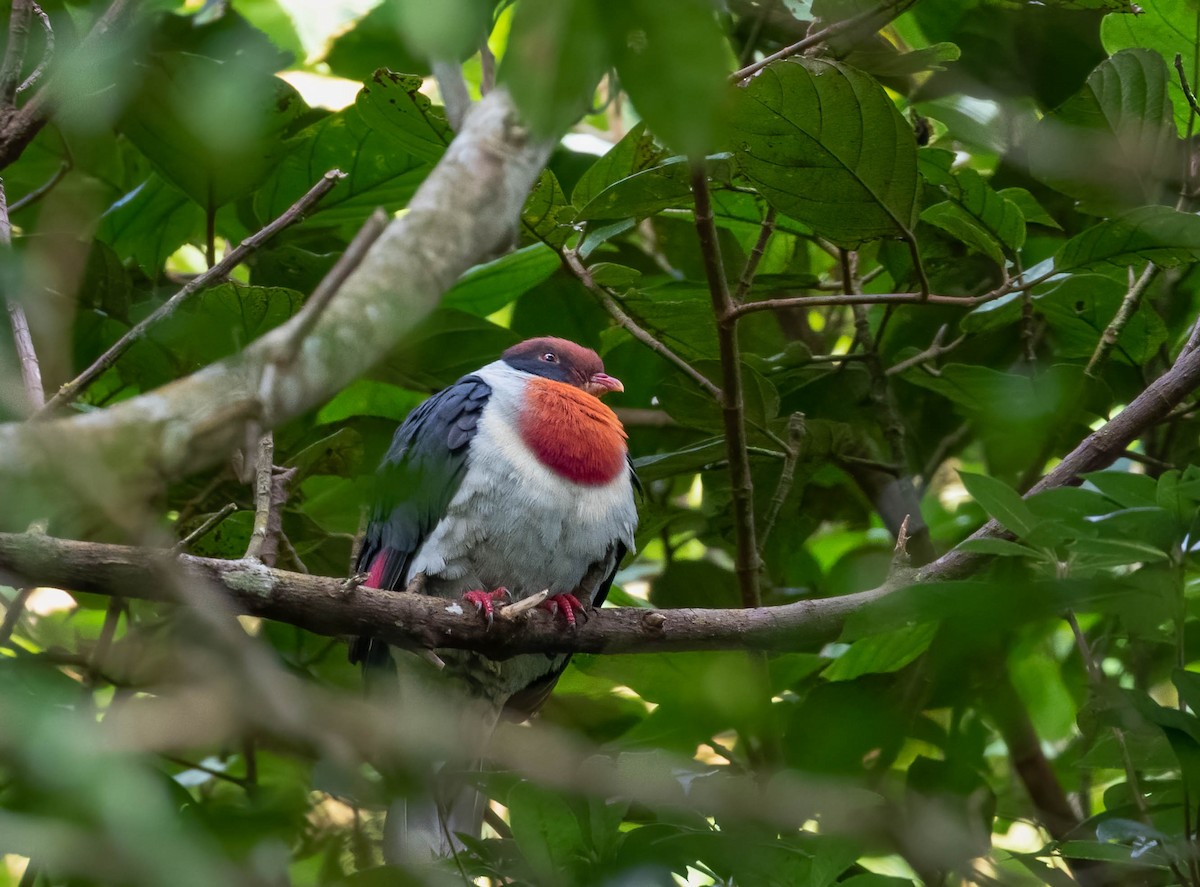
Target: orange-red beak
602,383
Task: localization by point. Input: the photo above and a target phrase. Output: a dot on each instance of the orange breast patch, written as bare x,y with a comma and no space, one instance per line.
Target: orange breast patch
572,433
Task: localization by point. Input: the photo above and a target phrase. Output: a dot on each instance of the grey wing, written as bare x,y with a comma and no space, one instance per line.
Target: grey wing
417,479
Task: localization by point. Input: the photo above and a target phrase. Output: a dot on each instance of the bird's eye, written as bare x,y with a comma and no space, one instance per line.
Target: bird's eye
550,357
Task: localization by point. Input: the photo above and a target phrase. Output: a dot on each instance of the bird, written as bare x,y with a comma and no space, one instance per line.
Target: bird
514,480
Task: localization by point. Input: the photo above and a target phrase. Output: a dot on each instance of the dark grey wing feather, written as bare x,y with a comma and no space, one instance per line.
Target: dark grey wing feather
417,479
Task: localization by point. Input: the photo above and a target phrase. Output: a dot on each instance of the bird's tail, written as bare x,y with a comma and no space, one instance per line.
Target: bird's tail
425,823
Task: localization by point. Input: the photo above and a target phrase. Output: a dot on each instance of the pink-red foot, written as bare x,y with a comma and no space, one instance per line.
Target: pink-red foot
485,601
568,604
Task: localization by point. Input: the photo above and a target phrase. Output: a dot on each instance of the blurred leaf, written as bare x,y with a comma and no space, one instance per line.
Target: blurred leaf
218,144
554,60
800,141
218,321
683,102
373,43
1031,209
974,213
1120,121
547,830
1000,548
886,652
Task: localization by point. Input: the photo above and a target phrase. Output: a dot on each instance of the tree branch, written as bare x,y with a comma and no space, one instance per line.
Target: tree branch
733,407
31,371
1129,304
632,327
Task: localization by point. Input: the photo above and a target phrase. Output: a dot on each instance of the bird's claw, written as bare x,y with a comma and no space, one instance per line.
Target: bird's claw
568,604
485,601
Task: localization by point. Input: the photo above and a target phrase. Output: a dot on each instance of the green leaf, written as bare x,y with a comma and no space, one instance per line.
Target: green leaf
683,102
1002,502
487,288
374,42
1115,552
393,105
802,140
148,224
636,151
1034,212
542,211
1124,488
1151,233
221,320
1166,28
365,397
1121,122
974,213
380,172
642,194
882,653
1080,307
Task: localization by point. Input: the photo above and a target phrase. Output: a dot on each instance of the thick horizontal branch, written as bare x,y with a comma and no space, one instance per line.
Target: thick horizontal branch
324,605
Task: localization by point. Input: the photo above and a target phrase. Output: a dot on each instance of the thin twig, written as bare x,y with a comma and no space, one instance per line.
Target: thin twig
211,771
820,37
752,261
308,316
31,372
918,266
935,350
453,88
264,469
1187,89
733,408
211,521
47,53
858,299
12,613
609,302
880,394
487,68
68,163
796,432
1112,332
14,54
219,271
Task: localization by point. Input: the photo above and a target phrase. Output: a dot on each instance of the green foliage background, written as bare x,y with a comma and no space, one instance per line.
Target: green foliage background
1030,161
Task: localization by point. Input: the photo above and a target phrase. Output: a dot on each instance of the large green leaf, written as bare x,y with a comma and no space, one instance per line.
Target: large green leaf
635,152
1121,122
824,144
380,172
1079,308
1001,502
393,105
1150,233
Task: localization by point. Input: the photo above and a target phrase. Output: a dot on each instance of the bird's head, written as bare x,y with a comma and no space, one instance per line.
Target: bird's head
562,361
